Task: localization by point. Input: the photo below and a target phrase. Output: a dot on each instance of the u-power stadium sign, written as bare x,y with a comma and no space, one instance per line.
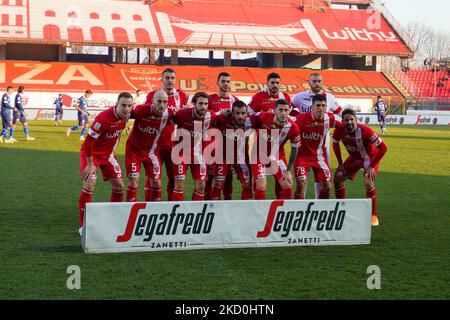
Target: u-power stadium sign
145,226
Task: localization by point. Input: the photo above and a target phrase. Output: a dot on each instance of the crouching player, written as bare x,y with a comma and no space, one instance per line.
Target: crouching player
274,130
314,130
98,150
233,126
365,149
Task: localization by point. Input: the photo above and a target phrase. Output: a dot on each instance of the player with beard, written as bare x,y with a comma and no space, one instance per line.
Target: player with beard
274,130
365,149
302,103
218,102
98,150
192,124
264,101
178,100
234,127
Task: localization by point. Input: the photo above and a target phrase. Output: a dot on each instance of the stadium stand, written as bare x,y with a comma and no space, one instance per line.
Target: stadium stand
330,35
424,83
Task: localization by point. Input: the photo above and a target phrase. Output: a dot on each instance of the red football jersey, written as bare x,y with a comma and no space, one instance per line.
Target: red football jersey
177,100
232,136
314,136
106,130
147,130
185,119
361,145
218,104
265,120
264,101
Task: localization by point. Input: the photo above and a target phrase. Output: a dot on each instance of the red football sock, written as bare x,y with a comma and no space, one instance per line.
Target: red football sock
260,194
116,196
208,188
155,194
372,193
228,188
170,188
247,194
85,197
339,192
132,194
215,194
299,196
147,191
324,194
197,196
286,193
278,189
177,195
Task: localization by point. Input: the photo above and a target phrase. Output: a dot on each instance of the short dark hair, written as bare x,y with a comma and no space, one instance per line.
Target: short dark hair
88,91
273,75
20,89
200,94
378,97
223,74
125,95
239,104
348,111
170,70
138,90
319,97
9,87
281,102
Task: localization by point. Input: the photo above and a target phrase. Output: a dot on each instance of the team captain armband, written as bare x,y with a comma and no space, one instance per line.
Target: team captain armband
376,140
93,134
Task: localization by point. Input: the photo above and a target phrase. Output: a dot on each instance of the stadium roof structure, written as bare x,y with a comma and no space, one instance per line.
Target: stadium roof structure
282,26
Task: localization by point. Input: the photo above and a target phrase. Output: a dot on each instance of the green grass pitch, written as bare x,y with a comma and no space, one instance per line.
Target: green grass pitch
39,240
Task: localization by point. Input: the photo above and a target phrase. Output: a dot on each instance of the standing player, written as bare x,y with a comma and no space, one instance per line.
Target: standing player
7,114
98,150
58,109
19,114
365,149
218,102
178,100
302,103
275,129
193,122
83,114
264,101
314,130
381,110
234,126
142,146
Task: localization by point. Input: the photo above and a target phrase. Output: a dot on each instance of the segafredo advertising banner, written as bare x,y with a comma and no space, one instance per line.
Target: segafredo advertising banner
151,226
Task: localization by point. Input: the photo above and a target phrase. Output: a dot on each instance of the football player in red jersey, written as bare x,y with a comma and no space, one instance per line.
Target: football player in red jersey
178,100
234,127
143,145
302,103
98,150
192,125
218,102
264,101
274,128
365,149
314,130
